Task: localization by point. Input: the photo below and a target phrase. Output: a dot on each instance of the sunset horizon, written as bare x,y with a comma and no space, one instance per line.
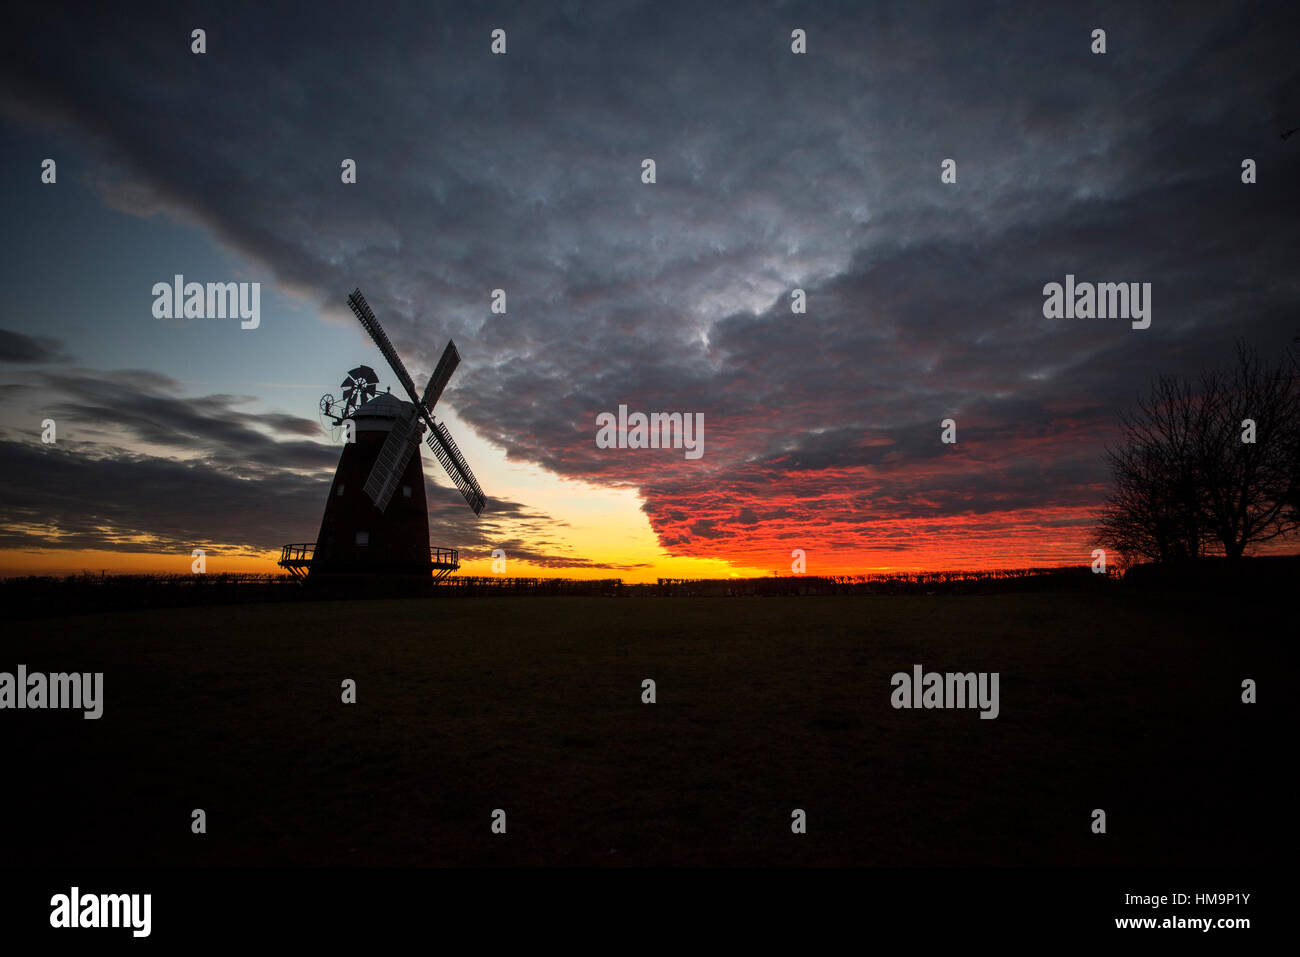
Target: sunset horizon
565,463
884,344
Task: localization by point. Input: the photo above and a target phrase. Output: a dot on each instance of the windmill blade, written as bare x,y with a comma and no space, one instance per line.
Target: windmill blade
438,381
391,461
361,309
444,447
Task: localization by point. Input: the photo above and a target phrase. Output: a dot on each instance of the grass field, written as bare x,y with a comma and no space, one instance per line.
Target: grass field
764,705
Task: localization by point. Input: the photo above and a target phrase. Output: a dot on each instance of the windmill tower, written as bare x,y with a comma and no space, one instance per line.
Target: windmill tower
376,520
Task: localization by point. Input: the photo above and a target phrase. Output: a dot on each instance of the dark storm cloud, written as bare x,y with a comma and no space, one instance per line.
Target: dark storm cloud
74,497
148,406
85,495
21,349
774,171
503,524
217,474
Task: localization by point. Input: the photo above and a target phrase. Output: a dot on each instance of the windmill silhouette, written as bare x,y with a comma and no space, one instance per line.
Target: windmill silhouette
375,533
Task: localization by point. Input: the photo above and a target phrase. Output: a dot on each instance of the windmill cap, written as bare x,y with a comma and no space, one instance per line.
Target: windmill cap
381,411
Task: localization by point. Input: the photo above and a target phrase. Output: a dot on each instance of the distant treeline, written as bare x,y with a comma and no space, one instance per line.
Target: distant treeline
1072,578
41,597
73,594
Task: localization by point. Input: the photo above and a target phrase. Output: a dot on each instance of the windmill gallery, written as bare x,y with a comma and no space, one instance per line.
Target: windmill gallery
368,530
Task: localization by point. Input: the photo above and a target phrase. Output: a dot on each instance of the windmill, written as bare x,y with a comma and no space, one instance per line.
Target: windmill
365,530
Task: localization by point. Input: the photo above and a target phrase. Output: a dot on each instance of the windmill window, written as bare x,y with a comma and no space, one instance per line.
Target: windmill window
406,491
363,538
339,491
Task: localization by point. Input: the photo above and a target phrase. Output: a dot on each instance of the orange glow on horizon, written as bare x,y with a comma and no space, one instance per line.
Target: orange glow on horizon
16,563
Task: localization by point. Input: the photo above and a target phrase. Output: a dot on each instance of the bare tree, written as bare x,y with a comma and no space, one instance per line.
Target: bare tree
1154,512
1208,468
1293,452
1246,449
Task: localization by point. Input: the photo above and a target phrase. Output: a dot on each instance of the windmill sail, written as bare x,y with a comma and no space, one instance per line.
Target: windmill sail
438,381
444,447
361,309
391,462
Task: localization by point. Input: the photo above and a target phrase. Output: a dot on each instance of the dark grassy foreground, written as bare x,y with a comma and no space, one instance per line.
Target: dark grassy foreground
533,705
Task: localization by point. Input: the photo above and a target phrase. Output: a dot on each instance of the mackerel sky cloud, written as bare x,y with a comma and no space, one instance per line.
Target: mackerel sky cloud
774,172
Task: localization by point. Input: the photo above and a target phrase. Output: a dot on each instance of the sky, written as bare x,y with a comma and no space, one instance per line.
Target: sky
774,171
